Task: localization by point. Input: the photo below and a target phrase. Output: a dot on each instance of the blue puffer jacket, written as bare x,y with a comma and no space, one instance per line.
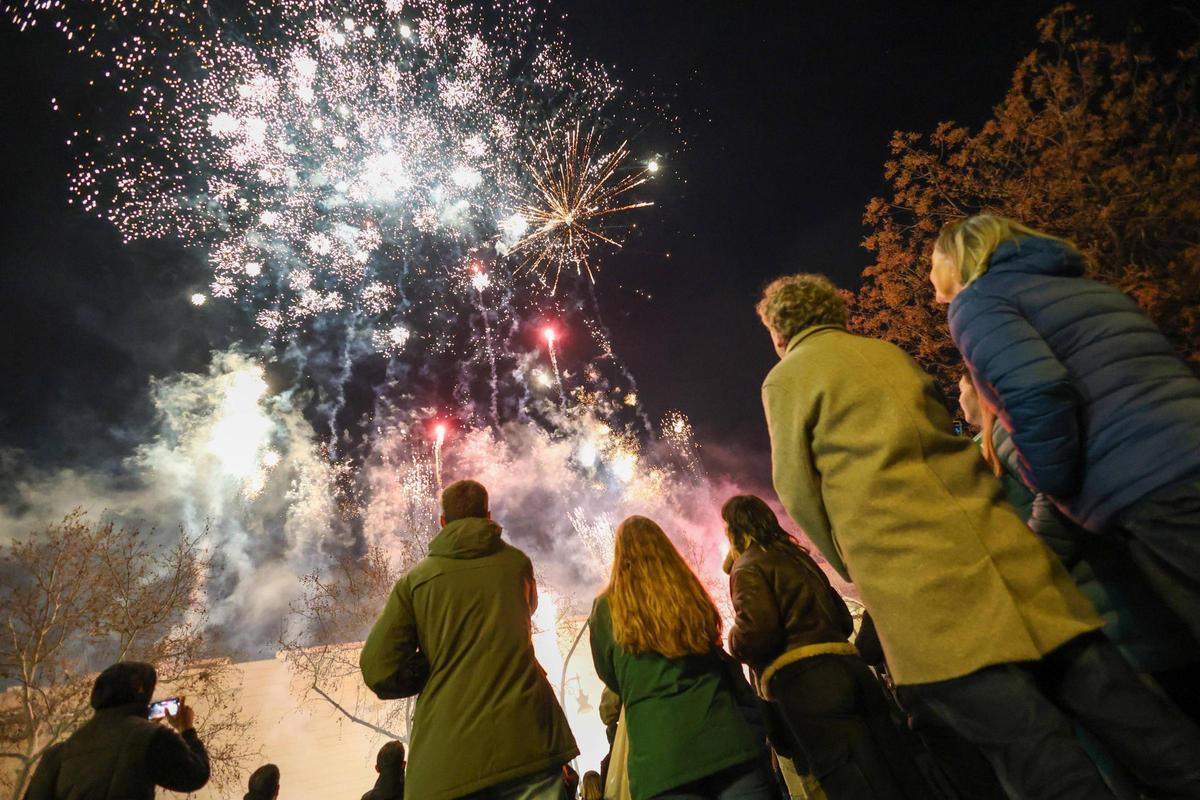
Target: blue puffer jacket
1102,409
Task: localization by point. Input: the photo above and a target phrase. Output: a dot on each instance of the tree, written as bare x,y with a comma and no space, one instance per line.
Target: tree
79,596
324,639
1095,141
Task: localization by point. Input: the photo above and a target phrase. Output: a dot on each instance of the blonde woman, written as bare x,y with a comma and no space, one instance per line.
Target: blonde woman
1104,413
655,637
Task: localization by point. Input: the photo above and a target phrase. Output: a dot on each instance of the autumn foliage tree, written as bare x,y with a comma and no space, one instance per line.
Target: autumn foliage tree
78,596
1096,141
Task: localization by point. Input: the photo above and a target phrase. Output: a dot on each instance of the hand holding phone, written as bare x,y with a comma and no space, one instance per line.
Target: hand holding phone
160,708
184,718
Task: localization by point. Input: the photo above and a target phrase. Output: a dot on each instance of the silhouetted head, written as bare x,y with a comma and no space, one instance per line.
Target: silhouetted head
463,499
264,783
124,683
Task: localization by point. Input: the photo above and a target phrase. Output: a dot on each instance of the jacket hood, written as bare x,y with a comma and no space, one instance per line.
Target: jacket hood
1036,255
124,683
473,537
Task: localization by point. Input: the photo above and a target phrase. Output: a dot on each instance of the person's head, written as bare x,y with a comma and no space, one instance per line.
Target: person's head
463,499
390,757
749,520
794,302
591,788
964,248
968,401
656,600
124,683
264,783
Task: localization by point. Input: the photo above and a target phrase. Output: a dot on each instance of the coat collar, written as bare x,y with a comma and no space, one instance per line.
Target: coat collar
810,331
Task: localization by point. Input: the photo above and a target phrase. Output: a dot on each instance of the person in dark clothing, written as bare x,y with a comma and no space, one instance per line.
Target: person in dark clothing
119,754
792,629
389,763
264,783
1148,633
953,766
1103,411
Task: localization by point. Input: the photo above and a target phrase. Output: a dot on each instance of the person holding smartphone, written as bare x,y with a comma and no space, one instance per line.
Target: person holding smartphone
120,752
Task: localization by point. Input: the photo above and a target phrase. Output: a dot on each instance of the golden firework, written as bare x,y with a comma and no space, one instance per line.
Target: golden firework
578,190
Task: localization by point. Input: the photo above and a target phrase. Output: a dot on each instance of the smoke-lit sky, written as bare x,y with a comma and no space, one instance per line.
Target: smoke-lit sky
786,110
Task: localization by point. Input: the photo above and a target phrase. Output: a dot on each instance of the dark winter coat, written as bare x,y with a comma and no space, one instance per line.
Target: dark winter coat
119,754
683,715
486,714
1142,627
784,610
1102,409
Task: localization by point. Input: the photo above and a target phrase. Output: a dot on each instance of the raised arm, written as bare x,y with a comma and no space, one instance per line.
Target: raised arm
1015,369
790,421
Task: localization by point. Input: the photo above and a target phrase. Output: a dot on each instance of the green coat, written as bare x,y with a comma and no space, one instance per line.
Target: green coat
487,714
683,720
865,460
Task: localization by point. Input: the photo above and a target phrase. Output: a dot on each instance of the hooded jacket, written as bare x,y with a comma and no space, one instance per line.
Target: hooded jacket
486,714
865,460
1102,409
119,754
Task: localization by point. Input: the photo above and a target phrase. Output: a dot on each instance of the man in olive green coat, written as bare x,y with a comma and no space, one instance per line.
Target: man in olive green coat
971,608
487,723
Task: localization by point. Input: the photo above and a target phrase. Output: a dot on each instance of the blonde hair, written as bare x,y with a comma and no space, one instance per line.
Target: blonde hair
657,602
795,302
987,424
970,241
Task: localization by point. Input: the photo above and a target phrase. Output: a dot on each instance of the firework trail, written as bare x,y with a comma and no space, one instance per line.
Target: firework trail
551,336
439,438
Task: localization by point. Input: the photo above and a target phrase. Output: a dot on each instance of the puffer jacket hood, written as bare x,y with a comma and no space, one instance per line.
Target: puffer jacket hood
124,683
473,537
1036,255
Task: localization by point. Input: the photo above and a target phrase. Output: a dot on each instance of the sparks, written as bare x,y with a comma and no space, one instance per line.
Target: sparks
578,191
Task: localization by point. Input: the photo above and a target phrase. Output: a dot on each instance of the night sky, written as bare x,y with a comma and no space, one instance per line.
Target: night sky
786,111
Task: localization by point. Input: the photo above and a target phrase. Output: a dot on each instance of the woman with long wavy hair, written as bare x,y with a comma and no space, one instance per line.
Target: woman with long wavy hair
792,628
656,642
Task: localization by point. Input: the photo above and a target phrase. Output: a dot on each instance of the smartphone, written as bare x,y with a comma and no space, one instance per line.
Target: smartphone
160,708
958,427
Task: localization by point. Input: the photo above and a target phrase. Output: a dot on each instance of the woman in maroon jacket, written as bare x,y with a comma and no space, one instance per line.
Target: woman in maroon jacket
792,628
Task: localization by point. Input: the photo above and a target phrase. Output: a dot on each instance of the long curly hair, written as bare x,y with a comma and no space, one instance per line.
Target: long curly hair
657,603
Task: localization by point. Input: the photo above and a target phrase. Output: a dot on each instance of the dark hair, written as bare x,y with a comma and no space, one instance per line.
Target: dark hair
750,519
264,783
391,753
463,499
124,683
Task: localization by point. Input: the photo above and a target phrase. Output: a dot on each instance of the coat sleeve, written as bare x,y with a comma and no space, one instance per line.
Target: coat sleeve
178,762
1031,389
600,638
392,663
41,786
797,482
757,635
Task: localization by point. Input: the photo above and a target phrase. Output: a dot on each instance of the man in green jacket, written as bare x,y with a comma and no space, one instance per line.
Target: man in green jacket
487,723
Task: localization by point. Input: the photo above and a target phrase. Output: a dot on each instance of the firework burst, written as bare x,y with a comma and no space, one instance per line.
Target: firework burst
579,190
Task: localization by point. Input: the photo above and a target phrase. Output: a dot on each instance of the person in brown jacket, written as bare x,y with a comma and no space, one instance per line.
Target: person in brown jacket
792,629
